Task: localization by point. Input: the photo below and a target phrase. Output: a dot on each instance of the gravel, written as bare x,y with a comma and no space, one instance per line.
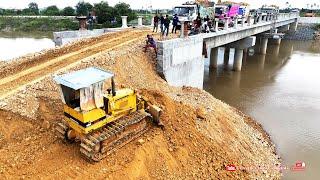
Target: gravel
304,32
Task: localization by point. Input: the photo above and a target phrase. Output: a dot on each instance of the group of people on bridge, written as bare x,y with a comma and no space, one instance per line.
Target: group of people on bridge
198,25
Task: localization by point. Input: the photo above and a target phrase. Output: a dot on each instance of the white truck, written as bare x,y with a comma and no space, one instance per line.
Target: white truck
190,10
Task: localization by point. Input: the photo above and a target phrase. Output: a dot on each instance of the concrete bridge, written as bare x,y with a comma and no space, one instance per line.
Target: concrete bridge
181,60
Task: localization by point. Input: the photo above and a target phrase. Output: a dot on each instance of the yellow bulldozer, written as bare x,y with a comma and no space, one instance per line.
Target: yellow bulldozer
101,122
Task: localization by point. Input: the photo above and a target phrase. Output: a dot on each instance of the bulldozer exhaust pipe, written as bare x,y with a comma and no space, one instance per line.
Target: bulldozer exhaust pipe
113,87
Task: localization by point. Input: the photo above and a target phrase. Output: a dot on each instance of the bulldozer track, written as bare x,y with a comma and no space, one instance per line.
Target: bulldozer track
99,144
14,82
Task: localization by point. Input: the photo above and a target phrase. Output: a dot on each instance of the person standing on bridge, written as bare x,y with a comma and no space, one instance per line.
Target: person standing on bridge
155,23
166,25
161,23
175,22
90,21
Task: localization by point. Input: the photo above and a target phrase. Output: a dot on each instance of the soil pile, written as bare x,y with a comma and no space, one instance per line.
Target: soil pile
201,136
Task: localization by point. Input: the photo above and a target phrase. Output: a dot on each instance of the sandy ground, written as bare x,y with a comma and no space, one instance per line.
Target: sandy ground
201,136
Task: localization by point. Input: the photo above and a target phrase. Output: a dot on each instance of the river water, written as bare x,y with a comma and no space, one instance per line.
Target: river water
13,45
281,90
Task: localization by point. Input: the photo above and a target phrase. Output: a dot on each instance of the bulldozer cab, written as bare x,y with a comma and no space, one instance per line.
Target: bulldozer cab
83,90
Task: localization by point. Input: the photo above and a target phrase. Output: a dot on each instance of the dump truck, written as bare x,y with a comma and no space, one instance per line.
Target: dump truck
101,122
189,11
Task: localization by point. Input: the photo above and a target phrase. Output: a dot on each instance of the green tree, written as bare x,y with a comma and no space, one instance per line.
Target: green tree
33,7
123,9
25,11
83,8
89,6
68,11
51,11
104,12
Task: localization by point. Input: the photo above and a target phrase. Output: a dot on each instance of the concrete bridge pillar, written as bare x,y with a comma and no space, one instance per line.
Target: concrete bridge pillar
277,41
237,62
276,50
260,18
284,28
239,47
214,57
264,46
124,21
216,25
249,20
226,23
261,61
268,17
226,56
255,19
140,20
182,29
243,21
235,22
245,51
293,26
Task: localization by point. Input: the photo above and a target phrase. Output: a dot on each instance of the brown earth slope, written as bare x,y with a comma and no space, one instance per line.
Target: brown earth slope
201,135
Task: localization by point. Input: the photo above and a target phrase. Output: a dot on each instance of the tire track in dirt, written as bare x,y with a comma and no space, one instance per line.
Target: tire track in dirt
12,83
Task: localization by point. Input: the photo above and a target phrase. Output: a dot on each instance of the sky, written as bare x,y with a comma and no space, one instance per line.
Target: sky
138,4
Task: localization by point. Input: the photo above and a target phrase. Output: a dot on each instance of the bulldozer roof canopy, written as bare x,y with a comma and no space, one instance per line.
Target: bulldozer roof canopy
83,78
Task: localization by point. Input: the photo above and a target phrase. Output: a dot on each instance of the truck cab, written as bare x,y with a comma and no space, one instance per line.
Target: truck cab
186,12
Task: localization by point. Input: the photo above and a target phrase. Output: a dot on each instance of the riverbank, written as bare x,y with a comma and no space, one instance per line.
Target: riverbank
202,135
304,32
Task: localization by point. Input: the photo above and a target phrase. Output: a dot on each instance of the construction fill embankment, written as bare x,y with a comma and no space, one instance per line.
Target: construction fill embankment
202,135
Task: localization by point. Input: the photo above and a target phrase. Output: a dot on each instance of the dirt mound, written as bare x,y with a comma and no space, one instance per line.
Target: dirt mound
201,135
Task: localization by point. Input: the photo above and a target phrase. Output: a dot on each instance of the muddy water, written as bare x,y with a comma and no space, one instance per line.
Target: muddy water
281,90
13,45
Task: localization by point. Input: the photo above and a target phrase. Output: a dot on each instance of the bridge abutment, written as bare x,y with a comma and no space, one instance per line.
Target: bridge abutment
180,61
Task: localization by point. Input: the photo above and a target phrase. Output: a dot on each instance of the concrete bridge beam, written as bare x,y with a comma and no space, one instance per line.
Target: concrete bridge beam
243,43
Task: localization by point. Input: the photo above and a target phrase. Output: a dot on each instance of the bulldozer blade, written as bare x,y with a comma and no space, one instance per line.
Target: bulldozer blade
155,112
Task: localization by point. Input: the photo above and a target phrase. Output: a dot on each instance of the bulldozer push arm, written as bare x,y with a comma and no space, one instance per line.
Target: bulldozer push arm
154,111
